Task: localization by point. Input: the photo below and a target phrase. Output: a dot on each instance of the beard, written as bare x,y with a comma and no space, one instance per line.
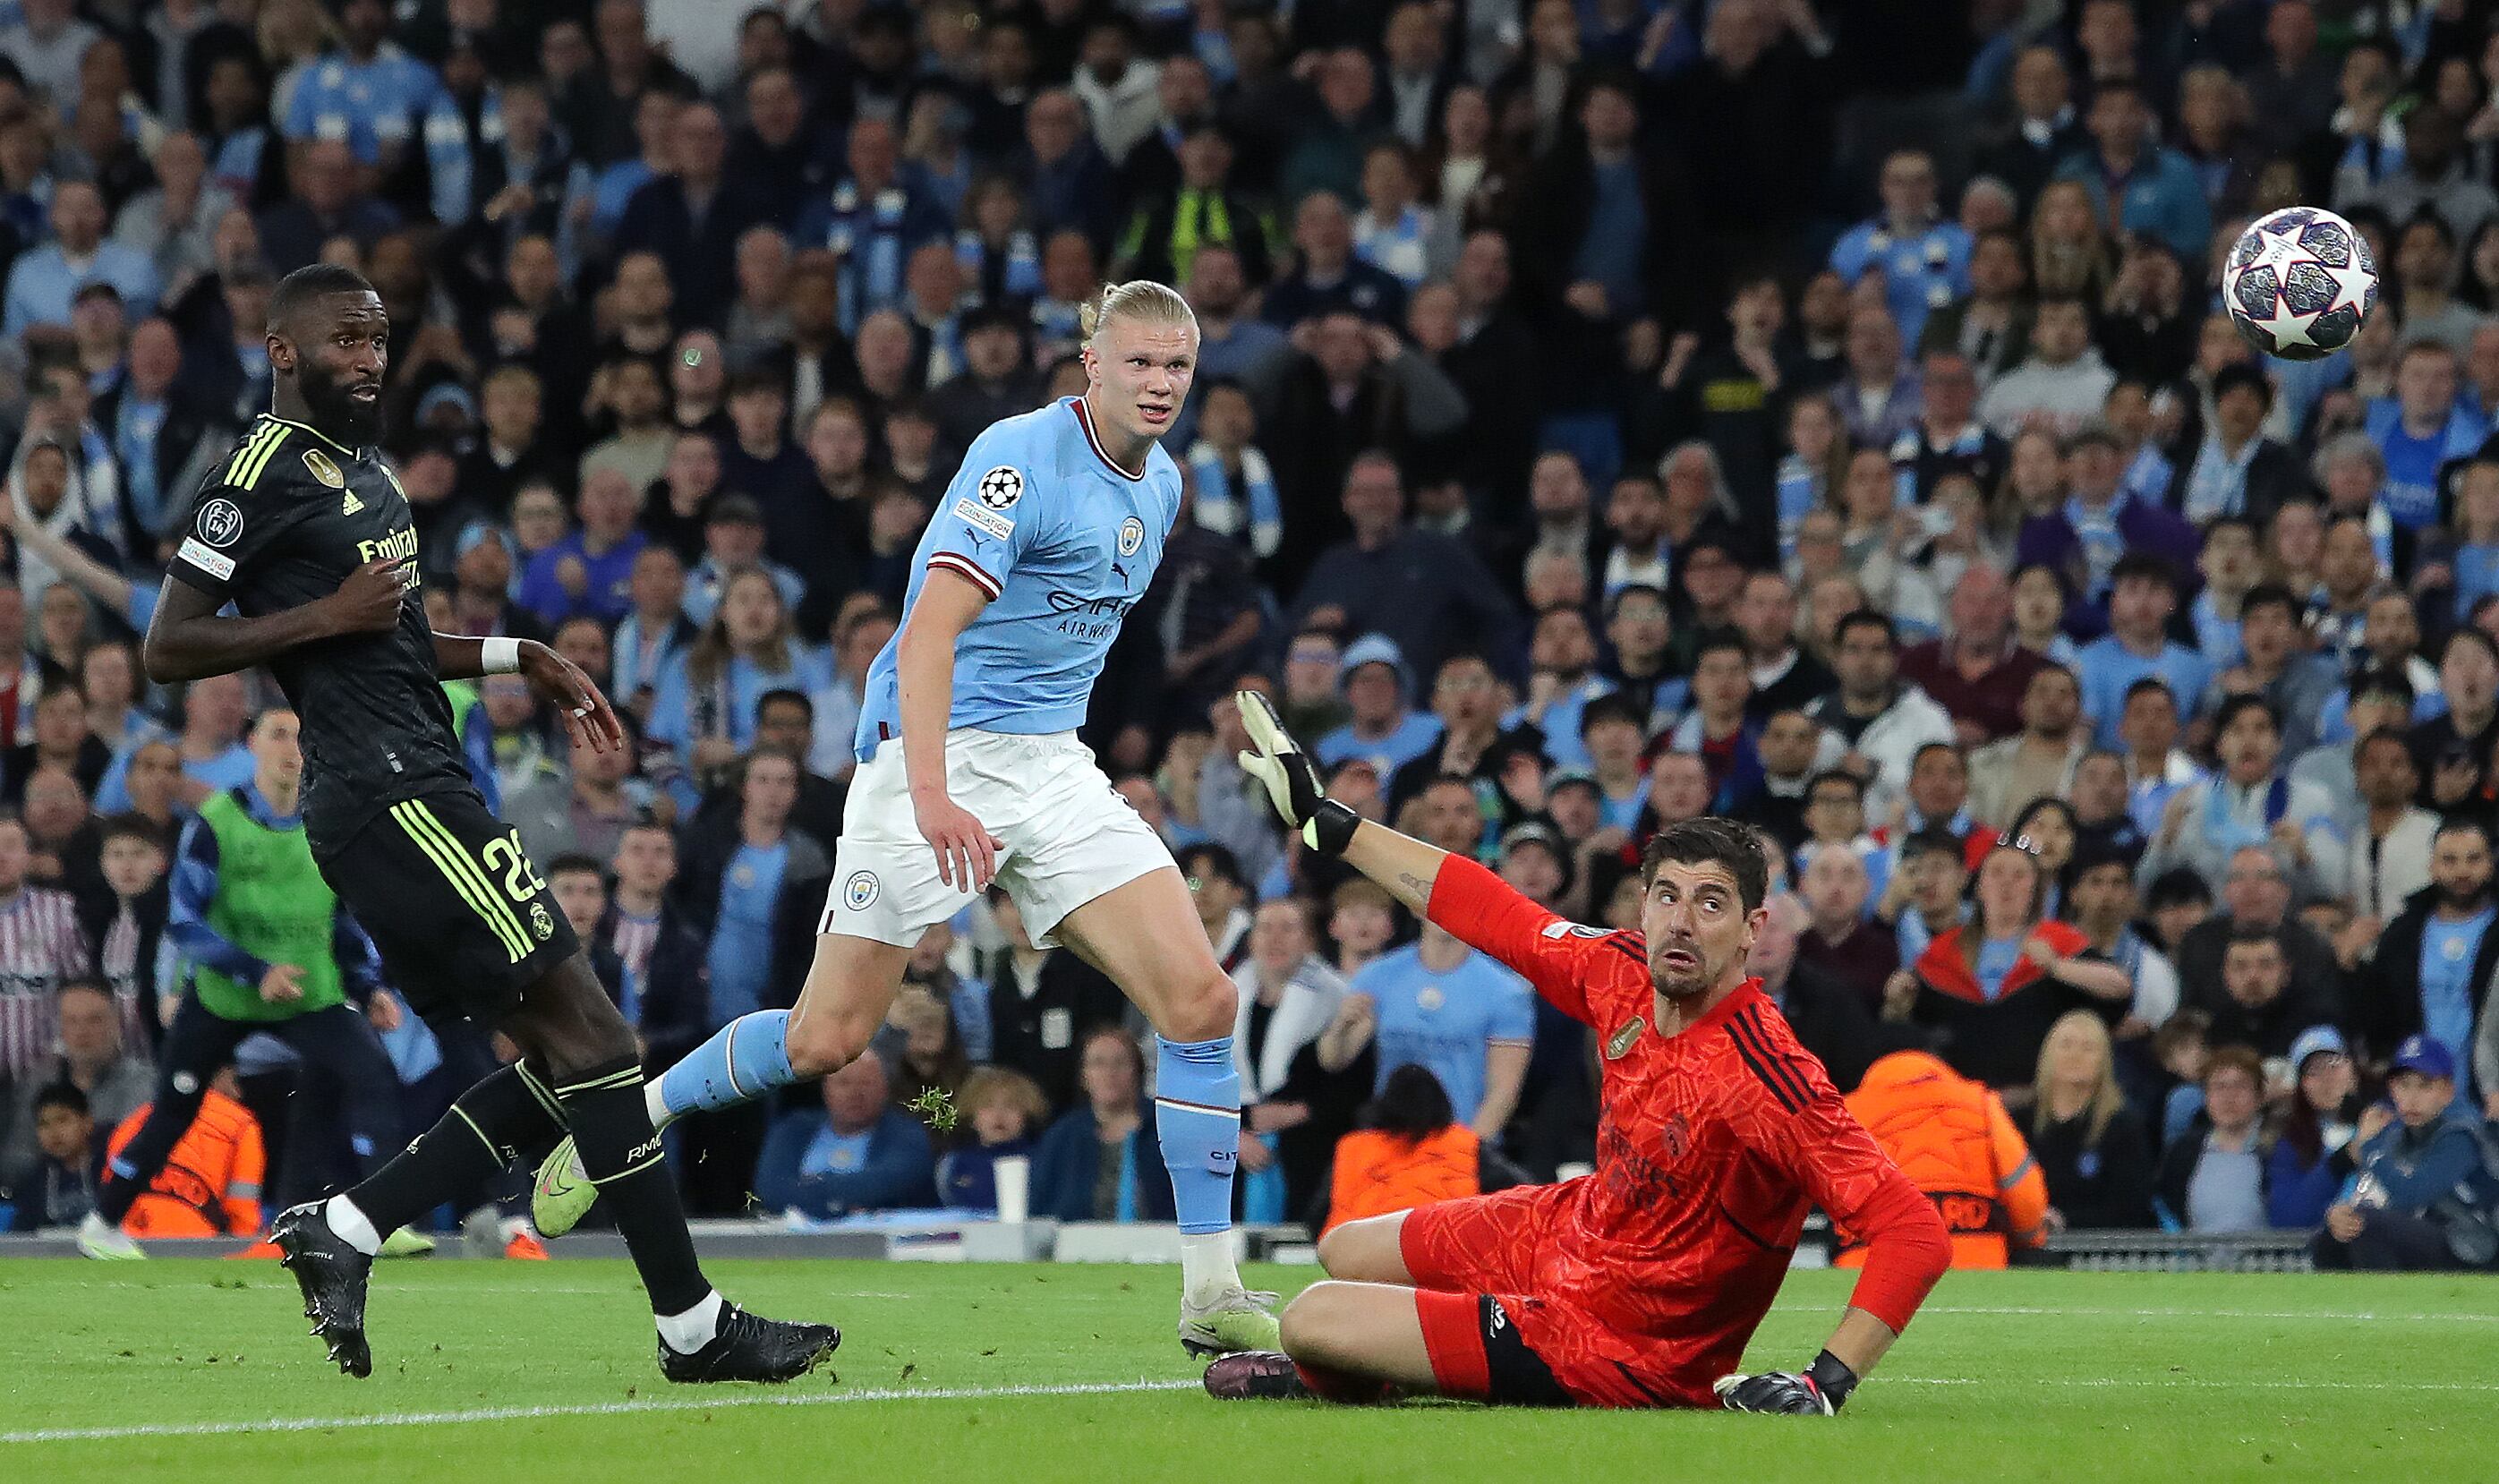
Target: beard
336,413
1683,981
2465,899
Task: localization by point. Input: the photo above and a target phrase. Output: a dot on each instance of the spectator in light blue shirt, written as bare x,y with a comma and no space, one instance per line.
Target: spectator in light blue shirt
42,283
2134,182
707,695
590,571
2420,429
368,93
1923,260
1459,1014
2142,595
859,1153
1386,731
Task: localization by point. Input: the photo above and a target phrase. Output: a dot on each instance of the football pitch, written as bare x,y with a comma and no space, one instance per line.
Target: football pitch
199,1370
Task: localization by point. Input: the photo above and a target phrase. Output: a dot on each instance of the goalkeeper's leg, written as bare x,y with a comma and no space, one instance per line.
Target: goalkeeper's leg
850,986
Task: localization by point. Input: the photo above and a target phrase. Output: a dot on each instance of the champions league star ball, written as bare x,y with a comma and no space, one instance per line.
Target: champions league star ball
2298,283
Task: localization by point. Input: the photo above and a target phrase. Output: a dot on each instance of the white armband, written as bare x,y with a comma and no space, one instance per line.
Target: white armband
498,656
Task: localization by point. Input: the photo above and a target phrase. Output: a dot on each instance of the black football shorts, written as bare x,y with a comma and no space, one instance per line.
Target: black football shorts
463,920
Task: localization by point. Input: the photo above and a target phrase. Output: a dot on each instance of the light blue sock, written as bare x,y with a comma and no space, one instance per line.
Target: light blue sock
743,1060
1197,1115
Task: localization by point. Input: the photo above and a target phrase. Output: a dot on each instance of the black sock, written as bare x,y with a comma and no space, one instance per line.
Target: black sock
612,1129
510,1109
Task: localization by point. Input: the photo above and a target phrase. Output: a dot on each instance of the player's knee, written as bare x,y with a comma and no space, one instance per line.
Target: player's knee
1309,1325
1337,1245
820,1045
1204,1012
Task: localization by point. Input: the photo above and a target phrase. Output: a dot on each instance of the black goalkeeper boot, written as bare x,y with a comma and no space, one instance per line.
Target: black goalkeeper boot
332,1273
749,1348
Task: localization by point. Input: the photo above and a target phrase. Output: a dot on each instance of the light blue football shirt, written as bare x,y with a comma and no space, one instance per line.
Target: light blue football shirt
1064,542
1444,1022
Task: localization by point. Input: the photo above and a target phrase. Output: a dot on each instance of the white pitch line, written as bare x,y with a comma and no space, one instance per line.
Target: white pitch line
2018,1311
985,1393
2172,1382
586,1409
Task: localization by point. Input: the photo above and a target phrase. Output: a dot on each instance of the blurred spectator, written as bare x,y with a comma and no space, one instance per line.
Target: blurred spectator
2039,760
2255,1007
1042,1001
2422,1194
707,697
2308,1164
1924,261
2430,971
1885,722
41,947
43,281
1411,1151
1005,1110
1987,991
589,570
582,808
1096,1162
928,1063
656,943
1840,938
1952,1136
733,886
2142,595
1423,591
110,1075
1288,996
2091,1146
860,1153
1455,1012
2212,1179
1831,1018
55,1189
2392,839
2250,801
2136,183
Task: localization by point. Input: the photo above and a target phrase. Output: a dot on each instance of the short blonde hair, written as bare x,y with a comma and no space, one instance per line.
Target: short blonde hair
1139,298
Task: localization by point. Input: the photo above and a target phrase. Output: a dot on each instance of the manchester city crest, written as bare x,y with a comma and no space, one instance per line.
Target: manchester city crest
1132,535
859,889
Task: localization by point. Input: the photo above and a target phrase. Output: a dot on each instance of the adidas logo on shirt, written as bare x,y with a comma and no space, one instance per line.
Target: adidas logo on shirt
351,504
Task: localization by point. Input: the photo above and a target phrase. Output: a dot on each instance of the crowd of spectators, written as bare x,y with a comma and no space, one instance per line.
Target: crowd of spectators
1608,411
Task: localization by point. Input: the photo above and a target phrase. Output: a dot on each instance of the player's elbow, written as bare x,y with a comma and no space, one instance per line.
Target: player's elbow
163,660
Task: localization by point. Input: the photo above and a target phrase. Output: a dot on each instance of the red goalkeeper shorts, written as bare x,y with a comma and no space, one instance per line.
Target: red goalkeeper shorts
1494,1336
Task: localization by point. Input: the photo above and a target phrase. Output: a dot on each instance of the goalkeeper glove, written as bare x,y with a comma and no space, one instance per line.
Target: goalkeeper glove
1818,1392
1292,780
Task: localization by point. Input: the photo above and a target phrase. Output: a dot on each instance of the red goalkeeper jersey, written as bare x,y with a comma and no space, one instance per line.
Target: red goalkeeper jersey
1711,1145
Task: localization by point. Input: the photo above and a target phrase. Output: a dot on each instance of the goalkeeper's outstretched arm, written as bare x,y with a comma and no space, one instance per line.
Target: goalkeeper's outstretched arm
1405,866
1402,863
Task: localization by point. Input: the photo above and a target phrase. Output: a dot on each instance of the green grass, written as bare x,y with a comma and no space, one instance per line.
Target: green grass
2020,1376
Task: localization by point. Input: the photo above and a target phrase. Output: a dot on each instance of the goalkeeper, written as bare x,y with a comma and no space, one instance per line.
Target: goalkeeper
1640,1285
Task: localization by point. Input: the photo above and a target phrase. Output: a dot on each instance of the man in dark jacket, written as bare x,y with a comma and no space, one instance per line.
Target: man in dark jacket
1042,1000
1830,1019
2422,1192
2433,966
693,217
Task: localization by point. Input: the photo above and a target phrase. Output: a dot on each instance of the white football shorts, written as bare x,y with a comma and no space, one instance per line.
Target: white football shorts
1069,836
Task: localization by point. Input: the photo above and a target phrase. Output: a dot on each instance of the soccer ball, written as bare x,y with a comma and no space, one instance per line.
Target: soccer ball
2298,283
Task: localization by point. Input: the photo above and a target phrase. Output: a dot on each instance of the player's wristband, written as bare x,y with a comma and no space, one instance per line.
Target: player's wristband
1831,1376
498,656
1331,827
